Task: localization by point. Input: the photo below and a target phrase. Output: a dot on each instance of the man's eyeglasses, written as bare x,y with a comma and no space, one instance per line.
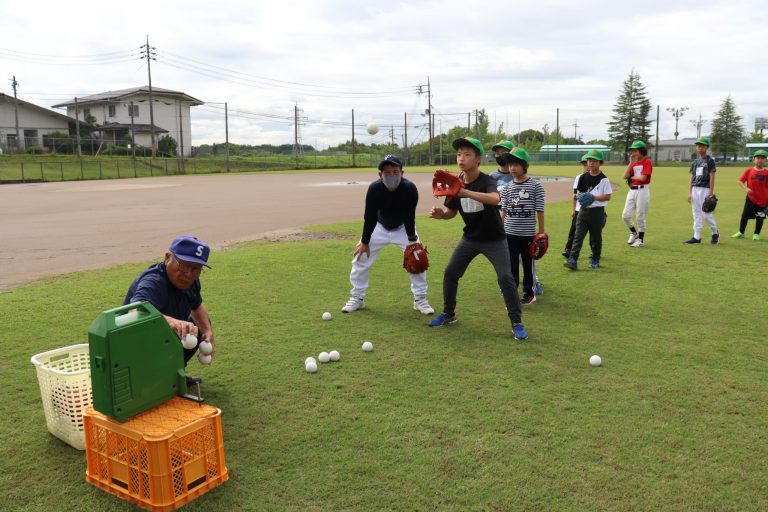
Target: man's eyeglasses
188,268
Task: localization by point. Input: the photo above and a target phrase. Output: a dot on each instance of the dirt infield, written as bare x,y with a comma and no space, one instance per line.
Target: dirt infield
54,228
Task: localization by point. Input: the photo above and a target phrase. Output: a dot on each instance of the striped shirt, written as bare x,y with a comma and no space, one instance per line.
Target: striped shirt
520,202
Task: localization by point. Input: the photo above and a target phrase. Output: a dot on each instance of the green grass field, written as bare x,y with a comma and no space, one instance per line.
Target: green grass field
458,418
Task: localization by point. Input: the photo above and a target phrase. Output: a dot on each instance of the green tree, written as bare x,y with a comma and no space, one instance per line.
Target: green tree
755,136
167,146
630,115
727,132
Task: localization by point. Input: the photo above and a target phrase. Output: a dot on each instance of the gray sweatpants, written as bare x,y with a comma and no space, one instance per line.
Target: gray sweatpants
497,253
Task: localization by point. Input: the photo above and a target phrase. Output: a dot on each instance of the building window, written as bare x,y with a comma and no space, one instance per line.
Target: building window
111,109
133,110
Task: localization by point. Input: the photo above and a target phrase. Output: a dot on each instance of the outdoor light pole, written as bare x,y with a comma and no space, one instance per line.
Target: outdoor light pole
698,124
677,113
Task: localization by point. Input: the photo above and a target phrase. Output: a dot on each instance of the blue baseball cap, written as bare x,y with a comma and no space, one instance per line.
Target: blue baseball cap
191,249
392,160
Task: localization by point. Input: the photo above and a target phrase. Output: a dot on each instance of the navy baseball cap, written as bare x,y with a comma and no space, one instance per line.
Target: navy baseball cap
392,160
191,249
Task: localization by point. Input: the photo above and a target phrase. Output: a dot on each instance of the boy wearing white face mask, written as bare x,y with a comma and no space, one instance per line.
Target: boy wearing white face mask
389,218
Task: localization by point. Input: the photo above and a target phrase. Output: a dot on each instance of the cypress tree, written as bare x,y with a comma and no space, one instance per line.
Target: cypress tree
727,131
630,115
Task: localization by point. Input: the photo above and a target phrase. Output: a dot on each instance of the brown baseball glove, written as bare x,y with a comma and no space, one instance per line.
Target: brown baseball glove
415,259
709,204
445,183
539,246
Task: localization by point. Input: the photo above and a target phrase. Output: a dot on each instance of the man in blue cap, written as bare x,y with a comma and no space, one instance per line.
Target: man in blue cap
173,287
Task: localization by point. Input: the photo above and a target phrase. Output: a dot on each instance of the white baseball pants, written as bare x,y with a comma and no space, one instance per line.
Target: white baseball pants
698,194
638,201
361,267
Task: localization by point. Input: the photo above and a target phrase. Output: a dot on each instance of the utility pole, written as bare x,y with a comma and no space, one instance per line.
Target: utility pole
77,129
19,143
405,135
149,54
469,122
656,147
430,119
226,136
698,124
133,129
677,113
392,136
353,138
181,138
575,129
297,145
557,138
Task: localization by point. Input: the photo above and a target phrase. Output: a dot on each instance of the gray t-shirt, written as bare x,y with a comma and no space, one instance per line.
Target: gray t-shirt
700,169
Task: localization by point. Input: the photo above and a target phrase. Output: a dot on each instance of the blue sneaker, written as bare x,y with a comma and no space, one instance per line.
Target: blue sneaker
520,332
571,264
594,263
442,319
538,289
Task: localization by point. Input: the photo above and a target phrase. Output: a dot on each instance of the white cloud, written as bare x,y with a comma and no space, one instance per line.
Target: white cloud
521,58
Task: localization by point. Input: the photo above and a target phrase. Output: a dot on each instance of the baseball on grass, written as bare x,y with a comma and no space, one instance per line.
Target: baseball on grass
309,360
205,347
367,346
372,128
189,341
311,367
334,355
324,357
205,358
595,360
326,316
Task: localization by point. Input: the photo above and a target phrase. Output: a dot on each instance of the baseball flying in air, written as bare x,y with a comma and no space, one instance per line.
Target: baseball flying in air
372,128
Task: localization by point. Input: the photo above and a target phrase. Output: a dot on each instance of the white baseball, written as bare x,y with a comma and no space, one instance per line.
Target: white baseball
334,354
309,360
189,341
367,346
205,358
595,360
324,357
326,316
311,367
205,347
372,128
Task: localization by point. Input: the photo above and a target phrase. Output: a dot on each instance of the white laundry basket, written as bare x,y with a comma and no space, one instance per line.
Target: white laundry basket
64,375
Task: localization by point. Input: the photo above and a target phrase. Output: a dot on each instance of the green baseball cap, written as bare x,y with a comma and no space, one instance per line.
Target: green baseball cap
704,141
517,153
594,154
583,158
507,144
638,144
761,152
469,141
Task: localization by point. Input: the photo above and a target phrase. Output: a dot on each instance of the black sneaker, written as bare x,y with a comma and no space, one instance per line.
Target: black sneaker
527,299
715,239
693,241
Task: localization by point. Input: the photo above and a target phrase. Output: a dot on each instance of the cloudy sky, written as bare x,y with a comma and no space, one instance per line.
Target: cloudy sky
518,60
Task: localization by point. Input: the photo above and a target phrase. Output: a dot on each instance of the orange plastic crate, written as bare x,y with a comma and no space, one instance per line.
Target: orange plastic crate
160,459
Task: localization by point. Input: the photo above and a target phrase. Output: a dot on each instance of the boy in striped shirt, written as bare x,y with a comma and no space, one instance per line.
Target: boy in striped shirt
522,204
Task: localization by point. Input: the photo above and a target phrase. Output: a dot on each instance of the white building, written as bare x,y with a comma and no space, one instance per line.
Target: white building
34,123
682,150
125,112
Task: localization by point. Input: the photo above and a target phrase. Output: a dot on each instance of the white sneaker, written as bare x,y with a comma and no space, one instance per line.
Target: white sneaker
421,304
632,238
353,304
638,243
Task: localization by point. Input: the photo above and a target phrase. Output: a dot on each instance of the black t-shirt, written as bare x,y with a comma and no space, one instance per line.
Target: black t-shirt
154,286
587,182
390,209
482,221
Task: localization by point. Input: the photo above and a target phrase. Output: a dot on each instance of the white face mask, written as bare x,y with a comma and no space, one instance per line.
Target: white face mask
391,181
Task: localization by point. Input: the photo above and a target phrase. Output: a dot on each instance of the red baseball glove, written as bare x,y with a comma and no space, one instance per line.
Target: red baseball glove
415,259
446,184
539,246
